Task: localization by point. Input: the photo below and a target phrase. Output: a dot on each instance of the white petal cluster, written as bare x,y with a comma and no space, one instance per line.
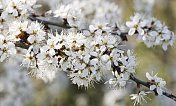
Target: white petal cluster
47,63
90,56
69,13
156,83
44,64
98,10
86,58
123,67
36,32
134,25
78,15
17,29
30,33
17,7
151,31
7,48
139,98
29,60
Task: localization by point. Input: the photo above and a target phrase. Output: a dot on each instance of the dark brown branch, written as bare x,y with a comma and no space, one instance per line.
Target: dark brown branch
59,23
147,84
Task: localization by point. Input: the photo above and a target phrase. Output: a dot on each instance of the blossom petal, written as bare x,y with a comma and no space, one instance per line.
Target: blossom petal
152,87
131,31
149,76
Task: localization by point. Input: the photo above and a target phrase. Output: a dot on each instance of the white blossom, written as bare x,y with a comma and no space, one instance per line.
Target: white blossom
71,14
139,98
29,59
85,58
156,83
30,33
79,16
7,48
123,66
16,7
151,31
46,64
36,30
134,25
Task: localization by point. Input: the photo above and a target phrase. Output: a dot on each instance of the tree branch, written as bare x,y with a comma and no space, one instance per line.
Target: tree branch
146,84
59,23
64,24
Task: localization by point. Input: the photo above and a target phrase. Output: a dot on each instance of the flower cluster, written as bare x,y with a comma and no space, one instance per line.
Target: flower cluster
7,48
156,83
29,33
44,64
47,63
123,67
96,55
138,98
103,12
86,58
150,31
79,16
69,13
16,7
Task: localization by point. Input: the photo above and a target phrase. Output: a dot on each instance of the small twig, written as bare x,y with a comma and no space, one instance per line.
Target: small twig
61,24
146,84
